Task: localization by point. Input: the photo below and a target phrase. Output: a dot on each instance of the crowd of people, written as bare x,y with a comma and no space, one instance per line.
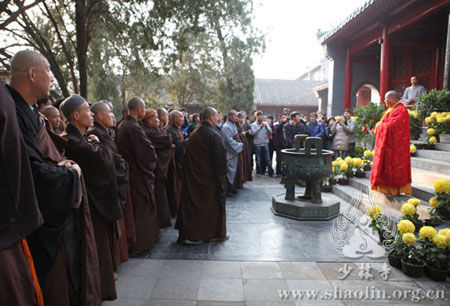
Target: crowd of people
82,192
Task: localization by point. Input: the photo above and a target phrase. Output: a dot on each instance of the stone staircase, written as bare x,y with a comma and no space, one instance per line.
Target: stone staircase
426,166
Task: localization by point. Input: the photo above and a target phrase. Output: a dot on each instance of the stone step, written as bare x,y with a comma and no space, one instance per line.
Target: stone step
442,146
364,185
391,205
422,182
437,166
421,144
434,155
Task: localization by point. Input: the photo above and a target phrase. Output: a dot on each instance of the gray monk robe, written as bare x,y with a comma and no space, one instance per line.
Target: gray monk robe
233,148
138,151
63,248
97,163
202,207
20,215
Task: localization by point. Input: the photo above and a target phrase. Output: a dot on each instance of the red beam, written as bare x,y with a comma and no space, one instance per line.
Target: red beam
348,81
364,44
385,63
418,13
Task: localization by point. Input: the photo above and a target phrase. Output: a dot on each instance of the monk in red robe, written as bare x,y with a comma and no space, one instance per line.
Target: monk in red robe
391,170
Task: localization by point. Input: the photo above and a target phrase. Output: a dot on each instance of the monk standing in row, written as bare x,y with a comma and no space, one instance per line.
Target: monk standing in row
104,122
138,151
20,213
97,164
63,248
202,214
391,169
164,152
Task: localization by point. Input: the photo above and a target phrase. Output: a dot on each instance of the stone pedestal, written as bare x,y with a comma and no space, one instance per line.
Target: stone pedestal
304,210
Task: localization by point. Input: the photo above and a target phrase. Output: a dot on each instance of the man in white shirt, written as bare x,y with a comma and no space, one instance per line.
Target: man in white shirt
412,93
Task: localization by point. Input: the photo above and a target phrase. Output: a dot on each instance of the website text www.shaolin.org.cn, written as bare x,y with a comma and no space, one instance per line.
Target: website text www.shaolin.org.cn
367,293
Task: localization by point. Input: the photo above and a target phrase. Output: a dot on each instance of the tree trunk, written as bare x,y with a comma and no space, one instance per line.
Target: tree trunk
82,44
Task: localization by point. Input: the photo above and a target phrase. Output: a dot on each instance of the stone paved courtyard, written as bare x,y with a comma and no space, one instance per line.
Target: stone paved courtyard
265,254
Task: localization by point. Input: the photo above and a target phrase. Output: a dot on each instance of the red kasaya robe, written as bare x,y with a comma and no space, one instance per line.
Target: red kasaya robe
391,170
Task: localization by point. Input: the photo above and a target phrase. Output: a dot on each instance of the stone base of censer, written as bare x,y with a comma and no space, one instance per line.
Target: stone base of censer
304,210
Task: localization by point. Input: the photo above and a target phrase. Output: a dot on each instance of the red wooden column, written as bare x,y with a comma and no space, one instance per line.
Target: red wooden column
348,81
385,63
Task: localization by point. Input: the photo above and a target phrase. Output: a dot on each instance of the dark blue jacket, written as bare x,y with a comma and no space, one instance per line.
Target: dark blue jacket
290,130
316,130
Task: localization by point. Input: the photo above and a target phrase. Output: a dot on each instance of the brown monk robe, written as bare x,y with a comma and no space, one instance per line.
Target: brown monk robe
174,130
63,248
97,163
202,208
103,123
20,214
171,182
140,154
164,148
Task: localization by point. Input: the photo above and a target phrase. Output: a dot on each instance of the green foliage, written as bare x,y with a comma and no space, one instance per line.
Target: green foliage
434,101
368,116
415,126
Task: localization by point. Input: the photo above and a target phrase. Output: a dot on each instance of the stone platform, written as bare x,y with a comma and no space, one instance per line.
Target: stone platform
303,210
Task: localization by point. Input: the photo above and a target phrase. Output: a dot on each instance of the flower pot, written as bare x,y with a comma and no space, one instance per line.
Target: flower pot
360,174
326,188
443,212
350,174
367,167
413,270
381,236
342,181
395,261
433,222
436,274
332,181
444,138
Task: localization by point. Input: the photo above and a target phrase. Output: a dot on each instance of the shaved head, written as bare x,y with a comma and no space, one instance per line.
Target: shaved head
100,107
134,103
49,110
22,61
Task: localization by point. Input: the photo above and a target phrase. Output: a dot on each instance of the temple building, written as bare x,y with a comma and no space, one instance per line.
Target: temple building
272,96
382,45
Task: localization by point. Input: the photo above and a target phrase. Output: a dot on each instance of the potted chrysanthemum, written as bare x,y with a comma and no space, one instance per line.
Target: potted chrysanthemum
412,263
440,202
399,250
379,221
358,167
367,160
435,249
409,212
412,150
340,171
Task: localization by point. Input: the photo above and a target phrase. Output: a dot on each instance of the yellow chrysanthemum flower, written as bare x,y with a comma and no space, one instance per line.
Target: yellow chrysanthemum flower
447,118
433,115
354,117
338,159
440,119
343,166
431,131
441,185
428,120
406,226
348,160
408,209
433,139
441,241
367,153
445,231
414,201
414,114
412,149
357,162
409,238
374,211
427,232
337,117
334,164
434,202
